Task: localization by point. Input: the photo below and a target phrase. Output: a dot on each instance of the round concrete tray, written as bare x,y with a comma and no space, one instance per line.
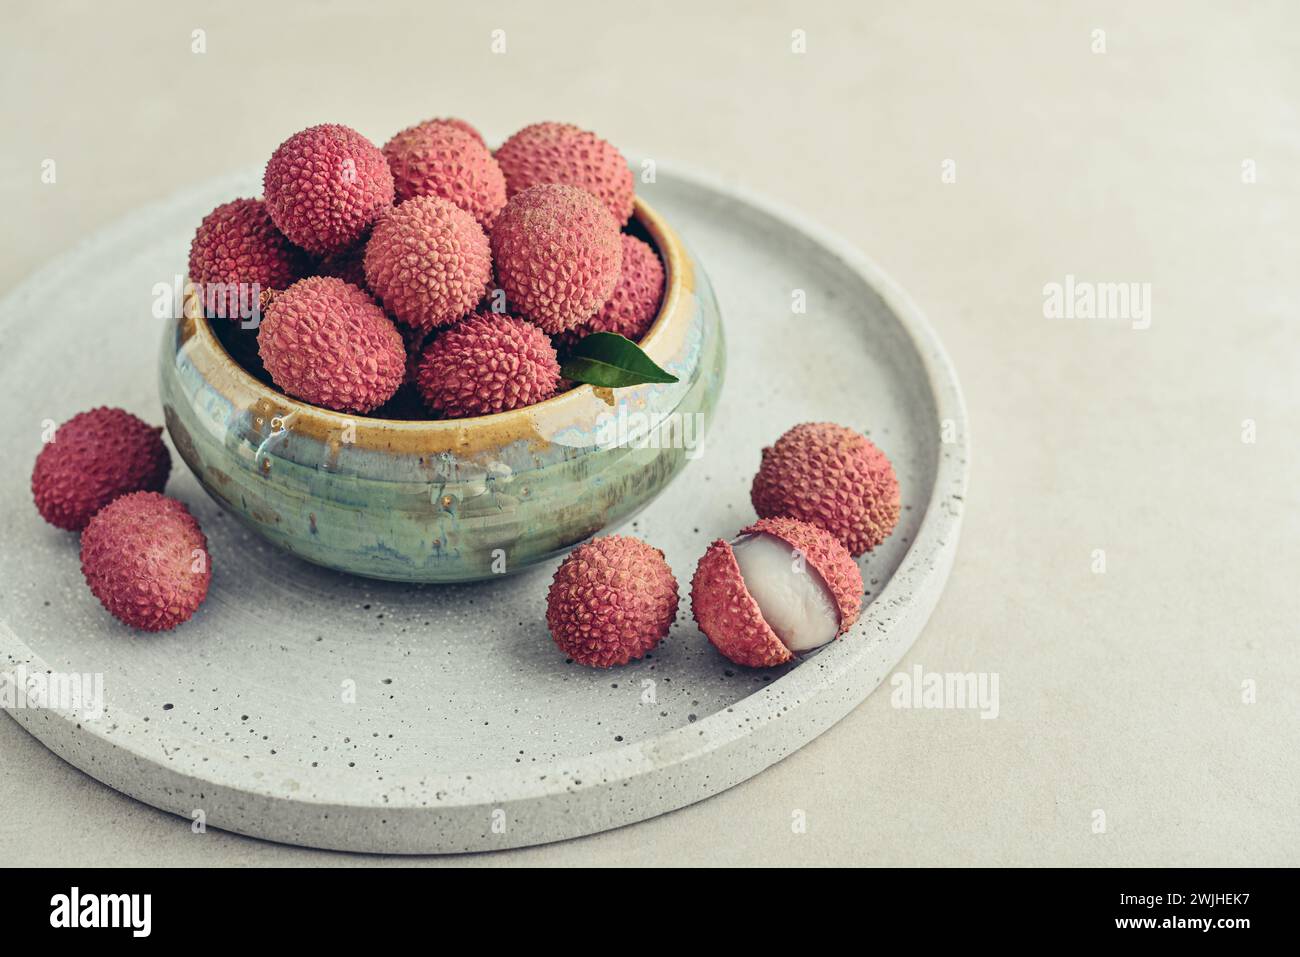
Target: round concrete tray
310,707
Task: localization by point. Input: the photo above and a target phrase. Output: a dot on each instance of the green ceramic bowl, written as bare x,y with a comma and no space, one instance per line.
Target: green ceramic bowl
444,501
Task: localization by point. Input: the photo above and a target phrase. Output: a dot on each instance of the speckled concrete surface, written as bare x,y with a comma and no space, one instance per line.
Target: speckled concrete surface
1121,692
323,709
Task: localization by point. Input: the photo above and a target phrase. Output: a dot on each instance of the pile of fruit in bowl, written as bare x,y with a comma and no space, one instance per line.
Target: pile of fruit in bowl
432,263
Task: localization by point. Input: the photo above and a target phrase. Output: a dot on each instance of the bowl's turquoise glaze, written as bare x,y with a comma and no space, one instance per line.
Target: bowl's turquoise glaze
454,500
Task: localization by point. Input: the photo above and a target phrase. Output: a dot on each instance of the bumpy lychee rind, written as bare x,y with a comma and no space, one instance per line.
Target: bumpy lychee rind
612,600
325,186
329,343
729,615
564,153
634,304
463,125
833,477
236,254
558,255
429,261
146,560
486,364
437,158
95,457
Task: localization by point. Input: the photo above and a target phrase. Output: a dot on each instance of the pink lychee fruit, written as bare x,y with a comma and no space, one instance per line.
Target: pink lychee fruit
95,457
487,363
325,186
437,158
329,343
564,153
781,588
612,600
831,476
634,305
429,262
236,254
146,560
463,125
558,255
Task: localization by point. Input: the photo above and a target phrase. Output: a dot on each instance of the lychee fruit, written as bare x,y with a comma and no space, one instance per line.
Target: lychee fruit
236,254
833,477
146,560
329,343
563,153
95,457
632,308
612,600
429,261
558,255
463,125
782,587
487,363
325,186
440,159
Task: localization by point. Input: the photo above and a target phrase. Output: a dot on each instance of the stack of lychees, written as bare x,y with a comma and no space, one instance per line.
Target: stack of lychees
432,262
142,554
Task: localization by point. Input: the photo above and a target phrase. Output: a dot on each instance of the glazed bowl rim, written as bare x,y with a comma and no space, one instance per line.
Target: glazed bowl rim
678,283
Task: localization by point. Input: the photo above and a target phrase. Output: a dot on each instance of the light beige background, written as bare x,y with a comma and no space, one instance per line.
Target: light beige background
1120,692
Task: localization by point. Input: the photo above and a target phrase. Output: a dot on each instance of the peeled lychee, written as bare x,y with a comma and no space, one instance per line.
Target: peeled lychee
440,159
612,600
632,308
782,587
563,153
833,477
325,187
487,363
557,254
146,560
95,457
429,261
329,343
236,254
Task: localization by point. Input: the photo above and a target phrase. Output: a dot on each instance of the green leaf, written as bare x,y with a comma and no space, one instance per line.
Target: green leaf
609,360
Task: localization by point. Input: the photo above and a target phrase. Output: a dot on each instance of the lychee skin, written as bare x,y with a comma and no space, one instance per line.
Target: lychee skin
95,457
463,125
325,186
439,159
612,600
146,560
485,364
833,477
429,261
558,255
634,305
729,615
564,153
329,343
239,253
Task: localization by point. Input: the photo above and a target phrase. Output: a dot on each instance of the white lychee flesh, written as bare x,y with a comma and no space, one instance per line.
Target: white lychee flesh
795,602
